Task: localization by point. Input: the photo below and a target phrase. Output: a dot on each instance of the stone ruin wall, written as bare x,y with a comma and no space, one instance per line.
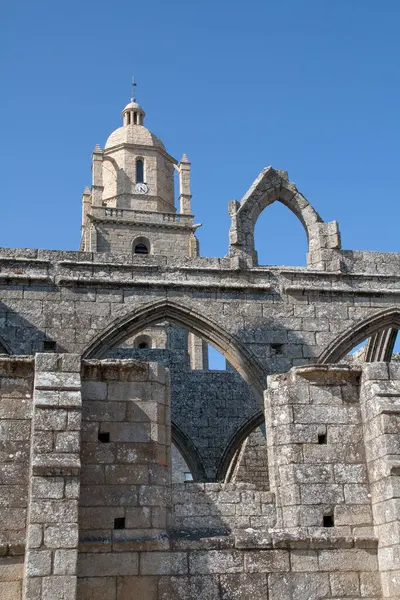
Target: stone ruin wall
87,515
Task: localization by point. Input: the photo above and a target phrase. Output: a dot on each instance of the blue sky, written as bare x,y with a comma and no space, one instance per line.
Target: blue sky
311,87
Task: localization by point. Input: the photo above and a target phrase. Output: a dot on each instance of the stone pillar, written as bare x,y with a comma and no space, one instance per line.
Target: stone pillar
85,204
323,244
198,353
315,449
52,521
126,456
97,176
380,402
184,186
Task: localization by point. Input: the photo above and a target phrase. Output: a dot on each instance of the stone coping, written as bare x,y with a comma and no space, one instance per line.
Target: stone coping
299,539
328,373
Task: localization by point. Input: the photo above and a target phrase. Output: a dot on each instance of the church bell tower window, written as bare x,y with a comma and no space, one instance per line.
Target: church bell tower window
139,170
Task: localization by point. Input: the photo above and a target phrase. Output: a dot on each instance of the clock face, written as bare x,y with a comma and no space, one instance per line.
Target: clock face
141,188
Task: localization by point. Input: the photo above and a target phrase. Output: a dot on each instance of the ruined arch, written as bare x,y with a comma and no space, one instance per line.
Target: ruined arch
202,326
189,452
270,186
381,328
227,461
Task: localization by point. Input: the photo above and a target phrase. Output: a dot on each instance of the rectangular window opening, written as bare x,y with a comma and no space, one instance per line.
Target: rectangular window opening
328,521
119,523
322,438
188,477
104,437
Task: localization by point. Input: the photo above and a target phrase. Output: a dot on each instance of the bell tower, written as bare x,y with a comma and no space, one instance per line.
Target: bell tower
130,206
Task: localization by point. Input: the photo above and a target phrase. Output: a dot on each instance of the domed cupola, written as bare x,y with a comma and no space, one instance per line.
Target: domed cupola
133,114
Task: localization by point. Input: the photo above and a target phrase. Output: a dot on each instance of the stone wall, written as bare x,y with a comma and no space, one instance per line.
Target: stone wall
328,529
212,508
119,238
16,391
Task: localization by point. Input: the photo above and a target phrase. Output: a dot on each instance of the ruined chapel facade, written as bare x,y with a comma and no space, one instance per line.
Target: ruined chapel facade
131,471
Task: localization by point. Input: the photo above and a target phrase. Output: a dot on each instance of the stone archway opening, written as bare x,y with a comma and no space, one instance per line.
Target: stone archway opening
208,405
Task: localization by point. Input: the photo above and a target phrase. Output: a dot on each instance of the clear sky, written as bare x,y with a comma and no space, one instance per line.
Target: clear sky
309,86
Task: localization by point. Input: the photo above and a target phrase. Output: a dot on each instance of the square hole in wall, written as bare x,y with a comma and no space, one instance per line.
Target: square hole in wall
103,437
119,523
49,346
322,438
187,477
277,348
328,521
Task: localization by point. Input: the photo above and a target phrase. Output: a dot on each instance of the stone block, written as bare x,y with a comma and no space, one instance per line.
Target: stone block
53,511
215,561
64,535
163,563
65,562
11,590
11,568
177,588
243,586
348,560
108,564
137,587
267,561
59,587
304,560
344,584
38,563
47,487
50,380
204,587
97,588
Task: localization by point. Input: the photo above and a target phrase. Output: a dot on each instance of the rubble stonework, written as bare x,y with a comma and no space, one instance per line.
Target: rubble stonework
104,377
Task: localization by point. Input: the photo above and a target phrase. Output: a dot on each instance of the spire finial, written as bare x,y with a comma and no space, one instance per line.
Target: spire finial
134,84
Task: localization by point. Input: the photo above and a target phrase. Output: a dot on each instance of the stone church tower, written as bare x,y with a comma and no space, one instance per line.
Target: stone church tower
131,205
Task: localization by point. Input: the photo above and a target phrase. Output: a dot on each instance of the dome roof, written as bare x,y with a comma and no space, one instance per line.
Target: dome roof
132,106
133,134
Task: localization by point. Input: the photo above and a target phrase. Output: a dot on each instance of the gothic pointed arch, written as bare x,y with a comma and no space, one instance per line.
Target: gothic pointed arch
381,329
201,325
189,452
273,185
233,446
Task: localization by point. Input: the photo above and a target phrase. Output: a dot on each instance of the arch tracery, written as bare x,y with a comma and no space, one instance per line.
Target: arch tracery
381,328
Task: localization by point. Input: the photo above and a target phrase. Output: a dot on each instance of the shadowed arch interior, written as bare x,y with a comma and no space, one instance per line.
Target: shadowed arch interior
236,353
381,328
189,452
227,462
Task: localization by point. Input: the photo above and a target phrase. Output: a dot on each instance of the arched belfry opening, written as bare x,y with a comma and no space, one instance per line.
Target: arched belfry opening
141,246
